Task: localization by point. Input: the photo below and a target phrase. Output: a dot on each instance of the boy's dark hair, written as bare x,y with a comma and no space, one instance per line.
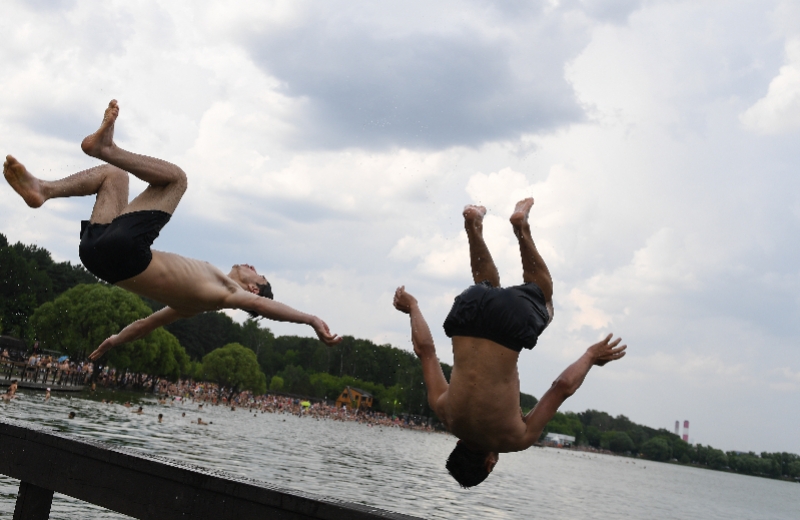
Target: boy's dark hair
265,291
466,466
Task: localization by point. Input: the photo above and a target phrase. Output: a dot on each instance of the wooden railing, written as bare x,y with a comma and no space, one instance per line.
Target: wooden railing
146,486
42,376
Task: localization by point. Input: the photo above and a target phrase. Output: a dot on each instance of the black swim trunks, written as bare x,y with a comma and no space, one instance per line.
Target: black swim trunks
121,250
511,316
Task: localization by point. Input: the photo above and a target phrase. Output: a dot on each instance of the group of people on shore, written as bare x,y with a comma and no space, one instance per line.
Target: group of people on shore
57,368
205,393
65,365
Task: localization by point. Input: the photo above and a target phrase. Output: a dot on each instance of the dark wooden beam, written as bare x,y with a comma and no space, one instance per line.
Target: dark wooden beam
33,502
150,487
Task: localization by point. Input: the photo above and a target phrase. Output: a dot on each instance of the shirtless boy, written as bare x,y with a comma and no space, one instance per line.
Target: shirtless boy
116,240
489,327
10,393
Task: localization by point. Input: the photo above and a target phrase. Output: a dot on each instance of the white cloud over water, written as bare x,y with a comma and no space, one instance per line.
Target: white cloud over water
333,146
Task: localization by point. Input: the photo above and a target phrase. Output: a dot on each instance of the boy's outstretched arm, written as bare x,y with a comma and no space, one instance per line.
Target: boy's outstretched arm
278,311
421,338
137,329
568,383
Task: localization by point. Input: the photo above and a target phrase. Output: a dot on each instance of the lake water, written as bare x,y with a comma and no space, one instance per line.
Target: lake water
403,470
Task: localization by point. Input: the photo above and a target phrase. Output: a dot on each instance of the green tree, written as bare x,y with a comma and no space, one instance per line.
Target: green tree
55,277
620,442
593,436
256,339
276,384
81,318
19,285
205,332
235,367
716,459
680,449
526,401
296,380
567,423
157,354
657,449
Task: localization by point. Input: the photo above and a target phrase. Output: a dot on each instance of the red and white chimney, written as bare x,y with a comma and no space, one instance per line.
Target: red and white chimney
686,431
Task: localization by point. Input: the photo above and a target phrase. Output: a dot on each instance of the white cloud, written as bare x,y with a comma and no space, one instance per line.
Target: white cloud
779,110
588,314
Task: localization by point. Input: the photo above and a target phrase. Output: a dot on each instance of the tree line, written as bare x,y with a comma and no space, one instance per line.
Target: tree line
67,309
29,277
623,436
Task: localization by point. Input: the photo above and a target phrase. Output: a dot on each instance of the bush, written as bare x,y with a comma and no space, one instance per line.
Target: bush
717,459
276,384
236,367
657,449
621,442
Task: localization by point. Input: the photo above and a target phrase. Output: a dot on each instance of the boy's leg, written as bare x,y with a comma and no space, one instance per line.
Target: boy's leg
109,183
167,182
483,267
533,267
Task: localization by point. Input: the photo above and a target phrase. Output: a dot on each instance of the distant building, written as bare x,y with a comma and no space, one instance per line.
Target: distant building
354,398
559,439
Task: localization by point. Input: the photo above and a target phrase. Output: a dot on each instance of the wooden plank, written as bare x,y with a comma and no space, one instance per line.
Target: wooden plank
33,502
146,486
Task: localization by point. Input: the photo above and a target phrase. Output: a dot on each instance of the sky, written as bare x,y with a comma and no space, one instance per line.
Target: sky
333,145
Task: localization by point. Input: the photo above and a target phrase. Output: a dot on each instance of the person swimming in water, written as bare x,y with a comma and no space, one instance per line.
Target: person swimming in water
115,241
489,326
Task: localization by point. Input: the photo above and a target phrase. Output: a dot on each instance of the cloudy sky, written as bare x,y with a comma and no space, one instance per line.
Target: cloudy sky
333,145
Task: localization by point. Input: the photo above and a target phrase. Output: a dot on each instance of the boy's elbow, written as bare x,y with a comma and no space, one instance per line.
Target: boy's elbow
564,387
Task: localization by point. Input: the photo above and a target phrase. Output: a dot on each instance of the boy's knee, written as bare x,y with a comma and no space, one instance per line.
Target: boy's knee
180,182
117,176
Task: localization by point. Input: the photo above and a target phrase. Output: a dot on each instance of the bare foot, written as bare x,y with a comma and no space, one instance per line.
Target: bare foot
520,216
102,140
473,216
28,186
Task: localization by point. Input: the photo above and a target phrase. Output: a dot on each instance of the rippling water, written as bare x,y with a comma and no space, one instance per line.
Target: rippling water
403,470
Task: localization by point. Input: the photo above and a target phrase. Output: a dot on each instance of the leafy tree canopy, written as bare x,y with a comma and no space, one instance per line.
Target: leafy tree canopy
235,367
620,442
19,285
83,317
28,278
276,384
203,333
657,449
158,354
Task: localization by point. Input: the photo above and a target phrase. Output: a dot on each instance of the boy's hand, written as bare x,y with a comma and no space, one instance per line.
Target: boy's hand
607,350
